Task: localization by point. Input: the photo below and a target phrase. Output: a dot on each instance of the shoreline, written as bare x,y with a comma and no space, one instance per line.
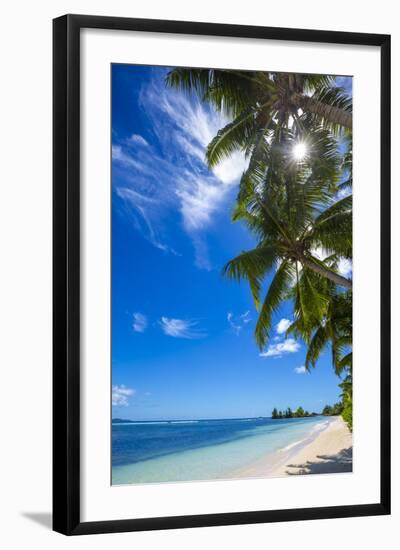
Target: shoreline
326,447
329,451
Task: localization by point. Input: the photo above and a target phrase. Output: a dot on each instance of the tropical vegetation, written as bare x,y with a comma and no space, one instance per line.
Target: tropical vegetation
294,197
333,410
288,413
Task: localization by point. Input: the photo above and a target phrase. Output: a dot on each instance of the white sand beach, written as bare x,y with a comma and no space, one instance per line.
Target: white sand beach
329,452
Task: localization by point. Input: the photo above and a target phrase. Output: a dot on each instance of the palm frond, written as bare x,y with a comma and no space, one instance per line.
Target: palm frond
229,91
343,205
311,304
275,295
258,150
316,346
336,98
241,133
252,265
235,135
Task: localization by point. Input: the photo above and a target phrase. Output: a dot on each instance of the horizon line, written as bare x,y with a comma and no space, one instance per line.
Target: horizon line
200,419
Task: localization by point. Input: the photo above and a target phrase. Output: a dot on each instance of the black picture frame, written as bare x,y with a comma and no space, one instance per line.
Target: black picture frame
66,273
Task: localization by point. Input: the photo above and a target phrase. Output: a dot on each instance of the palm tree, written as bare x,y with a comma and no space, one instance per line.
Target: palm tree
331,326
290,207
299,412
279,95
327,410
288,413
293,217
272,148
263,104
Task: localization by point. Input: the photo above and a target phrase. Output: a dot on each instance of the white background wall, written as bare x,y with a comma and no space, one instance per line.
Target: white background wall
25,273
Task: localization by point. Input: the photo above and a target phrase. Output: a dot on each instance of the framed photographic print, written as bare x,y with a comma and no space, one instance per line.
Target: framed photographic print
221,274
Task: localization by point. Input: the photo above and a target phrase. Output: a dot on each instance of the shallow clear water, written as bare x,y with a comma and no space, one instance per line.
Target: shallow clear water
151,452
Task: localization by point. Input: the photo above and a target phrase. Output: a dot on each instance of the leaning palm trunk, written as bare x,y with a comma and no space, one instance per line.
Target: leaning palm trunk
332,114
327,273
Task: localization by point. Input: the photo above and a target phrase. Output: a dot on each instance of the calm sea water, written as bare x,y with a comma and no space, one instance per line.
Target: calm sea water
150,452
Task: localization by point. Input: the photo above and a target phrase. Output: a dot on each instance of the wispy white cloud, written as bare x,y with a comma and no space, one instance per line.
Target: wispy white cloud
121,395
127,160
193,127
282,326
134,197
177,177
189,147
199,200
231,169
139,323
320,253
184,128
201,256
237,322
181,328
300,370
345,267
143,205
137,139
281,348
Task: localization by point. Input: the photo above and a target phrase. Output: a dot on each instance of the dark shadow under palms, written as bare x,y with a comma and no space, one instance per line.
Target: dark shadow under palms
329,464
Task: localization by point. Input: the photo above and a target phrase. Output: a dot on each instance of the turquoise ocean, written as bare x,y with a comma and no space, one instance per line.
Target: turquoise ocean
194,450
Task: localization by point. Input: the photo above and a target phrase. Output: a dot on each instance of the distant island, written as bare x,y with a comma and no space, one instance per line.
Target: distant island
288,413
328,410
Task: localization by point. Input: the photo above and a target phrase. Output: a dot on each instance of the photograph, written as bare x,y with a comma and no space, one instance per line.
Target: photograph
210,273
231,274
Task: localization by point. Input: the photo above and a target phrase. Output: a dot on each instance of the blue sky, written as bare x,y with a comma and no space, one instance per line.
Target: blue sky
182,335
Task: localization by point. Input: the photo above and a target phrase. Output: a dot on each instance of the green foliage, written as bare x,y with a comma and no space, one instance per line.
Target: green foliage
334,328
288,238
347,400
291,211
334,410
337,409
252,265
281,96
327,410
347,414
275,296
288,413
298,413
